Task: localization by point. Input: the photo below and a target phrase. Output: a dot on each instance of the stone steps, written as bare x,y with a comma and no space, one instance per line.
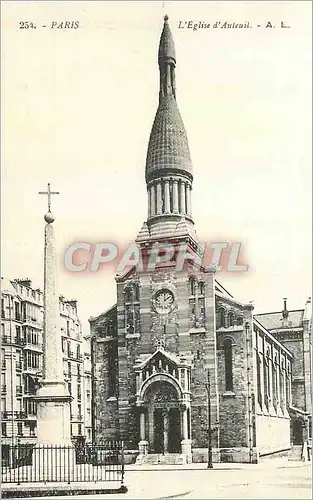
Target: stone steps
160,459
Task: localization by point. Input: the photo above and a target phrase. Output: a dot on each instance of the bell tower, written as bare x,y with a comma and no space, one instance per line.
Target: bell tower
168,173
165,316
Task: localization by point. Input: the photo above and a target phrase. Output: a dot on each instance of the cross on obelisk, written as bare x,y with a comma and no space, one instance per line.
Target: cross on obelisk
49,193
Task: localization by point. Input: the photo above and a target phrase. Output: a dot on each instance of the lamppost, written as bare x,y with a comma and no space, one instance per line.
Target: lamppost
208,389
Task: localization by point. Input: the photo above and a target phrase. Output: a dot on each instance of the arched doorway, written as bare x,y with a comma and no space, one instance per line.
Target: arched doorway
297,432
164,418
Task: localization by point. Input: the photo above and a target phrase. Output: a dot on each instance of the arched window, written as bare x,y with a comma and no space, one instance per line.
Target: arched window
231,319
222,318
136,293
228,355
196,303
128,294
192,286
132,308
239,320
288,385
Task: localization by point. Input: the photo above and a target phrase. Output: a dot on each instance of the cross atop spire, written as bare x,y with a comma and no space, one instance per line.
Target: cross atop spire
49,217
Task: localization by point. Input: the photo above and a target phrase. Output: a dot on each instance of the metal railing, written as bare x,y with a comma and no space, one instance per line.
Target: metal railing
27,463
9,415
6,339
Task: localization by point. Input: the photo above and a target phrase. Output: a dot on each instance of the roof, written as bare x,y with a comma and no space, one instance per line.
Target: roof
168,145
274,320
7,287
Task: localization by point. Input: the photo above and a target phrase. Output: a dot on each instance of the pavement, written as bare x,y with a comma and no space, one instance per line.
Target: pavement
272,479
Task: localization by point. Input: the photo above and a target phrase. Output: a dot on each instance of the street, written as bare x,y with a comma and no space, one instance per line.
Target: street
274,479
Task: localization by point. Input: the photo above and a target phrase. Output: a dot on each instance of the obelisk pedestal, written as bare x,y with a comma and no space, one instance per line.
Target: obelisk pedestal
54,453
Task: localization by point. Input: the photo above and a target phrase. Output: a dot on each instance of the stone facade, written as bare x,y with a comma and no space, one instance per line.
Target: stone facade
178,362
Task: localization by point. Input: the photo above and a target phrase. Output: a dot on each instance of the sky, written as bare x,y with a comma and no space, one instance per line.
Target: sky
77,110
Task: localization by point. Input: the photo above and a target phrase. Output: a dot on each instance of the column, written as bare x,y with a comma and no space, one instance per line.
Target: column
185,425
165,432
182,198
175,197
167,206
152,200
151,428
186,443
143,444
159,198
142,426
188,199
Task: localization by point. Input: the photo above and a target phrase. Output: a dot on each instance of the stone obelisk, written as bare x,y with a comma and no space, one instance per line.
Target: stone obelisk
53,398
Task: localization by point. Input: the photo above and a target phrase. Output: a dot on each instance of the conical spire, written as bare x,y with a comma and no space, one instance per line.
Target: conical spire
166,47
168,148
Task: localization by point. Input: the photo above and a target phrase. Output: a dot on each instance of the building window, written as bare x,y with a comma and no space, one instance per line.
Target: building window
288,386
68,328
17,311
274,382
222,318
228,355
20,428
18,334
258,367
196,303
201,288
240,320
79,427
79,392
112,367
192,286
4,428
132,308
2,309
69,386
282,375
78,352
230,319
265,377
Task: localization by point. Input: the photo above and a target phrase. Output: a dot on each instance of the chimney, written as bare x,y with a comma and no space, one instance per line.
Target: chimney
24,282
307,315
285,313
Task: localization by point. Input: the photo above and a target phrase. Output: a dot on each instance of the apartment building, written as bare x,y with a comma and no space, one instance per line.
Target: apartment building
21,361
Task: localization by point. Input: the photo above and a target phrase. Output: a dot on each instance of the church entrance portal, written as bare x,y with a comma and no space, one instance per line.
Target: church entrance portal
164,418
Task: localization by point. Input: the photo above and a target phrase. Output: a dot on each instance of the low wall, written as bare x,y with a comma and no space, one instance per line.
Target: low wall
272,434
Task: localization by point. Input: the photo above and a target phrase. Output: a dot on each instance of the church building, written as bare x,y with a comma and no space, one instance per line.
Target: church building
179,365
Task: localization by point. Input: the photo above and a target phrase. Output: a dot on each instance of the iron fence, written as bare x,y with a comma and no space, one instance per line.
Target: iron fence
84,462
